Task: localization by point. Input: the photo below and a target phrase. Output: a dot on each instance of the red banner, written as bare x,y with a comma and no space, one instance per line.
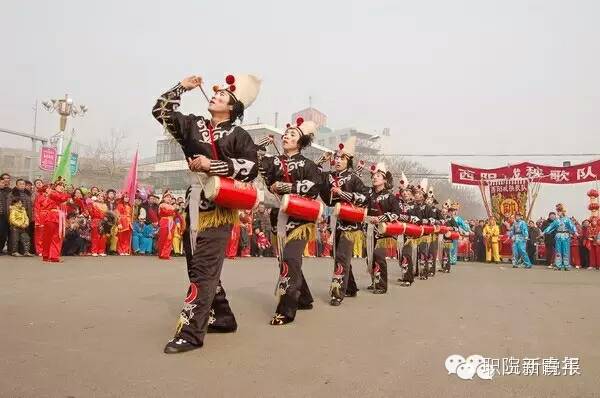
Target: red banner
585,172
47,158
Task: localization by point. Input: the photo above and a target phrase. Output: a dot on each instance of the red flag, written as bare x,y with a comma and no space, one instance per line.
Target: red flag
130,183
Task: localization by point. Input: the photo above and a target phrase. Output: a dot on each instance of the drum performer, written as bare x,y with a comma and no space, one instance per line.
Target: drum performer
343,186
407,213
383,208
213,146
292,173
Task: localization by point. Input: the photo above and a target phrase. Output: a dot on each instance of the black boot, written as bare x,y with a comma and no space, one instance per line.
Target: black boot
279,319
176,346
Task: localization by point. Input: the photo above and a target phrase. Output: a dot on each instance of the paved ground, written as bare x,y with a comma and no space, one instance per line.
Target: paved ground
96,327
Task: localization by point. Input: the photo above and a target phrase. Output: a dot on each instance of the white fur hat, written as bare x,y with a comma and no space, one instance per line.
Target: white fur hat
348,148
243,87
379,168
304,127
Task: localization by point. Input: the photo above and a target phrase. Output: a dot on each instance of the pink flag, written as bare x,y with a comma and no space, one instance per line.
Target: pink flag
130,183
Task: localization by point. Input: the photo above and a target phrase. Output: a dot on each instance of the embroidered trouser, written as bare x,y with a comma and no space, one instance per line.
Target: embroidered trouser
343,282
447,248
408,260
562,247
433,253
519,251
423,255
292,287
454,252
379,272
205,291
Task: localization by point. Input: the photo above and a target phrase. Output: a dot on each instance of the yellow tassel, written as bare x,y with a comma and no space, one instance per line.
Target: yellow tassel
386,243
353,236
216,218
411,242
303,232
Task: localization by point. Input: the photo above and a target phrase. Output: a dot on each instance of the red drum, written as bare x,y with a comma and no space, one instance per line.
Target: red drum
428,229
232,194
452,235
302,208
401,228
443,229
350,213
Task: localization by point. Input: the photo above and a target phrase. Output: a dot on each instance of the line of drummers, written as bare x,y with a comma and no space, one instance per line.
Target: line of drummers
424,233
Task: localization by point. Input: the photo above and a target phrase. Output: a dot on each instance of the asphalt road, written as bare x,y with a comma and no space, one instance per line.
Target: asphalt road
96,327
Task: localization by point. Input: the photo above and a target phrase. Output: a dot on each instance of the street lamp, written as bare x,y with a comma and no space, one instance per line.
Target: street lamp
65,108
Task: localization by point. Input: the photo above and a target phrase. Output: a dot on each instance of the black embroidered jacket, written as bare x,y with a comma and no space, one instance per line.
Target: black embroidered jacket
293,175
353,191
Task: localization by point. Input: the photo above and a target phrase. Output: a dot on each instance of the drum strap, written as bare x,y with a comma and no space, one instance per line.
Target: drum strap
284,167
400,248
213,145
370,246
193,209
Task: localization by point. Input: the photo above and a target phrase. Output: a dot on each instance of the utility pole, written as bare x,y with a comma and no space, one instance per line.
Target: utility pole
33,141
276,117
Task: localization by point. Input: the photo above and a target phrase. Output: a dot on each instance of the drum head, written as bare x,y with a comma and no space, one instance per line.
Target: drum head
285,200
321,209
336,209
211,188
382,228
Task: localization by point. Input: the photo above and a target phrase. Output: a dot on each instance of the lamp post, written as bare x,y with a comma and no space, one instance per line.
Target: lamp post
65,107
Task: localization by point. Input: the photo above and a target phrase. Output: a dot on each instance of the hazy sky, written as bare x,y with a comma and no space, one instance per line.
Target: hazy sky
445,76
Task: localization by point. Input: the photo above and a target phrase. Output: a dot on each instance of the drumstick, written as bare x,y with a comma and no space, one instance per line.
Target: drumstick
205,96
275,146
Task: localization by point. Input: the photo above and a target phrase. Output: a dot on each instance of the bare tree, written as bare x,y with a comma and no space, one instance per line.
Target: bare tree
108,157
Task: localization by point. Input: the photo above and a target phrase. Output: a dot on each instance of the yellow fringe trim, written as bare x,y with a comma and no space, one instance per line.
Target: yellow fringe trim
385,243
411,242
353,236
216,218
447,245
303,232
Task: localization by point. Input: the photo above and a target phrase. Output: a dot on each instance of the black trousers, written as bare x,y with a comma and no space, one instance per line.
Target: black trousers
342,281
550,252
446,247
292,287
408,261
530,248
206,301
433,254
422,259
380,271
4,232
19,235
584,253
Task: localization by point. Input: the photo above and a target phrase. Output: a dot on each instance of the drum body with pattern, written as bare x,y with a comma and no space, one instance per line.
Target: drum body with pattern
350,213
232,194
301,208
